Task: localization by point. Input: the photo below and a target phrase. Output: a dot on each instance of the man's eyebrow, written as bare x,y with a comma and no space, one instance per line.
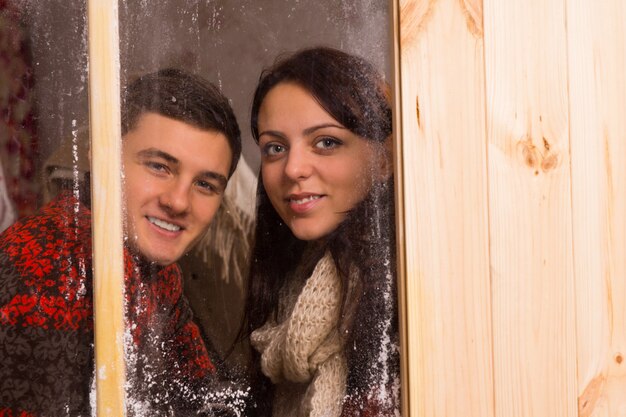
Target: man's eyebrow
153,152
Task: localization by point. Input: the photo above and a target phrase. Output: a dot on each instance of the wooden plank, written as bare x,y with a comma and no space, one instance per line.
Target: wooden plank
530,208
597,84
402,277
445,209
105,129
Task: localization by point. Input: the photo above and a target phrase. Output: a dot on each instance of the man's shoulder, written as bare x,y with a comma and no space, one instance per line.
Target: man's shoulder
65,215
59,231
45,265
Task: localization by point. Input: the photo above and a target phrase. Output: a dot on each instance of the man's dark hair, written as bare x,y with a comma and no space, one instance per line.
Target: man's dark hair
184,97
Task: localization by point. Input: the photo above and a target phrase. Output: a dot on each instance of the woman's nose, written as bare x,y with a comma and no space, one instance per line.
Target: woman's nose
299,164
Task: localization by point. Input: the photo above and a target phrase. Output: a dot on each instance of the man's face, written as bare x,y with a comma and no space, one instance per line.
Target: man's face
174,178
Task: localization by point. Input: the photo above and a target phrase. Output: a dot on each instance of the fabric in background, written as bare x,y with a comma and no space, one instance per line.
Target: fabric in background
18,141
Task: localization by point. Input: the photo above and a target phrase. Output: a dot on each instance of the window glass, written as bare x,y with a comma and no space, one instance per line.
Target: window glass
46,338
192,243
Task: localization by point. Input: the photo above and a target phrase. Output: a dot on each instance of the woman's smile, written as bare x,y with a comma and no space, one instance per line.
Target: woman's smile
303,203
314,169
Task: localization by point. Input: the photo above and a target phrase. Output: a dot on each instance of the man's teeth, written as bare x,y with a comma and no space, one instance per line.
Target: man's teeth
164,225
305,199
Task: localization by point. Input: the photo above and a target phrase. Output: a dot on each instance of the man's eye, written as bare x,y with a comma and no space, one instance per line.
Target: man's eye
207,186
273,149
156,166
328,143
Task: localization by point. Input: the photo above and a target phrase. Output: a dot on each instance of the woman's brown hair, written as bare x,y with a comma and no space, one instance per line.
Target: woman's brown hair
353,92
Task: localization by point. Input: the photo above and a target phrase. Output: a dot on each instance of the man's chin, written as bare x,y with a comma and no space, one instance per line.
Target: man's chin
151,256
159,259
162,262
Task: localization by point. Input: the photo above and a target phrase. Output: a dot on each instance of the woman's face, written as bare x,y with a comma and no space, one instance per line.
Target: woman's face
314,169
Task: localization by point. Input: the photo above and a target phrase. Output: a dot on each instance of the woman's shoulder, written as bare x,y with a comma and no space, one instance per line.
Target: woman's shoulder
378,402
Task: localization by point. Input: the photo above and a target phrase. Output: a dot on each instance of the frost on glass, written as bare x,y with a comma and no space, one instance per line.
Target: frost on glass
45,289
43,100
44,144
229,43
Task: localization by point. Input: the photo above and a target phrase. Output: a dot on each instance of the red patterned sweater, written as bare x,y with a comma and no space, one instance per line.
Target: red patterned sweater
46,324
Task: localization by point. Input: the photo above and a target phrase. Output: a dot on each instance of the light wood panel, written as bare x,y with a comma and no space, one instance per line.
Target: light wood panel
597,84
445,202
530,208
105,130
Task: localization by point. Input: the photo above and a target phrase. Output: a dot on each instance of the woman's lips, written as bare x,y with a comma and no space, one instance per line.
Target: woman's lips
303,203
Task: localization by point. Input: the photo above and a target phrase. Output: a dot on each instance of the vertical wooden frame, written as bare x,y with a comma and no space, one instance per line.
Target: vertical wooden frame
105,129
443,220
401,255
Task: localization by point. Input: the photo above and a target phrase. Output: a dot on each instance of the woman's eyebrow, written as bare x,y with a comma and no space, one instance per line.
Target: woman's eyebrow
306,131
312,129
273,133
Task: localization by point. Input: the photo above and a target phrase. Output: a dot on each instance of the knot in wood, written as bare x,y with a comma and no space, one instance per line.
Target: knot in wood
529,152
544,158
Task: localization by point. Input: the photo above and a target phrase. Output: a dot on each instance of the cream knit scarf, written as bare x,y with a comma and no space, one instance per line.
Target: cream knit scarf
302,352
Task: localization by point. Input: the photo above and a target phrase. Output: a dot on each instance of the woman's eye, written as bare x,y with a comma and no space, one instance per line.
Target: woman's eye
273,149
328,143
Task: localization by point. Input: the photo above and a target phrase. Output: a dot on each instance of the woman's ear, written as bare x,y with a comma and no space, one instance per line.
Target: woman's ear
386,161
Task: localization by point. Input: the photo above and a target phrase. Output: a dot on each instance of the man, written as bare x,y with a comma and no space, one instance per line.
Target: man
181,143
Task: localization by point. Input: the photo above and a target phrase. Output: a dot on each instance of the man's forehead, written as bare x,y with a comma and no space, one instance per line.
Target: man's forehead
152,117
157,136
150,120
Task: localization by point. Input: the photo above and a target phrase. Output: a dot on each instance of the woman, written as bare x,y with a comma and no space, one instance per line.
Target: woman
321,303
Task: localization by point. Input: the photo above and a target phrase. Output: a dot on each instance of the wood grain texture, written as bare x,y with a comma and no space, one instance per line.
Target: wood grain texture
414,16
473,11
104,109
597,85
530,208
445,211
403,300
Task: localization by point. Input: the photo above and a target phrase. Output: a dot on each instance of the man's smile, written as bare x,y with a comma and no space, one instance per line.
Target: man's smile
170,227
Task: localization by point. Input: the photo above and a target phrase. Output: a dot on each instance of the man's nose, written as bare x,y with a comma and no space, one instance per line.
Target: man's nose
299,164
176,197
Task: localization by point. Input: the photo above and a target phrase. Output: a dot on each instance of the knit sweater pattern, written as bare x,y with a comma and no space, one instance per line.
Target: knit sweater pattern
302,350
46,323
